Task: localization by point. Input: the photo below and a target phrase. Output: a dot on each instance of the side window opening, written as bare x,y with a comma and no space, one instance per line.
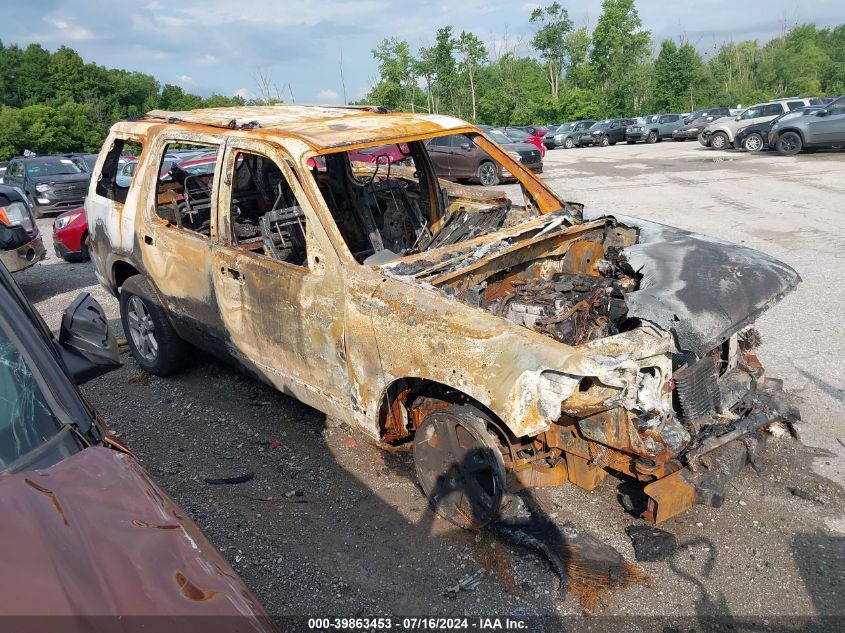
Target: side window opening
113,180
185,185
382,198
267,218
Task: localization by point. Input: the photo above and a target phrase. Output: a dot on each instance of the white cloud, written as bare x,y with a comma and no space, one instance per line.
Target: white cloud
208,60
186,81
328,96
244,93
64,31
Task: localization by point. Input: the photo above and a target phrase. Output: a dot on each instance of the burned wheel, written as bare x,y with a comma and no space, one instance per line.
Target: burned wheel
459,466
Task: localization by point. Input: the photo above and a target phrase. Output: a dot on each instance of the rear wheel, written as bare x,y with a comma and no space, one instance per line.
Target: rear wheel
604,141
459,466
789,144
154,343
487,174
652,137
568,143
719,140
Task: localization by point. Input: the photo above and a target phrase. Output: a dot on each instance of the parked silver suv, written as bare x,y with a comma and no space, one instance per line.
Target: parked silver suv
720,134
822,128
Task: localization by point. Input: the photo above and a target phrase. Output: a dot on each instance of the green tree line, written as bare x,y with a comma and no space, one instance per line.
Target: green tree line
615,70
55,102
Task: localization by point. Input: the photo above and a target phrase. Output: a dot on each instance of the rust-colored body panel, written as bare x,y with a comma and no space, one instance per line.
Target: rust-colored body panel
95,536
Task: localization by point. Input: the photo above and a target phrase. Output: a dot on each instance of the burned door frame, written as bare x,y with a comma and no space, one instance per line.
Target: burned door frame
178,261
285,322
111,223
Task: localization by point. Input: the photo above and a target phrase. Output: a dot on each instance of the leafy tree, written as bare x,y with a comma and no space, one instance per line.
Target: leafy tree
619,45
675,71
473,54
552,26
577,49
398,84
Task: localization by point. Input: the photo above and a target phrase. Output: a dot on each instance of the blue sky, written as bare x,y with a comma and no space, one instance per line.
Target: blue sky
221,46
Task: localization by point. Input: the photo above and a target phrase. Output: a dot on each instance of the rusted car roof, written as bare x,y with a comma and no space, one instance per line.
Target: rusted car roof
322,127
93,535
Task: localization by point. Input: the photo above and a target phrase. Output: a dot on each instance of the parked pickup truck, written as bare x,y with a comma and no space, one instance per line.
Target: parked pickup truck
656,128
507,338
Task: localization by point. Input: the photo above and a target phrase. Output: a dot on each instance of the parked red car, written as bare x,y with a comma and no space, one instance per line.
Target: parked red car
521,135
70,233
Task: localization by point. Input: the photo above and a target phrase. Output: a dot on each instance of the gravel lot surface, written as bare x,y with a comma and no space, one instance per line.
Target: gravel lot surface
332,526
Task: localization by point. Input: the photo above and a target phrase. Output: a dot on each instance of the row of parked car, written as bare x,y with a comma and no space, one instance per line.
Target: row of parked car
789,125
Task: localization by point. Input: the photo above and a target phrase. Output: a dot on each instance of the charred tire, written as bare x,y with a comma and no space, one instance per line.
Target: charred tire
651,138
154,343
753,142
719,140
459,466
604,142
789,144
487,174
568,143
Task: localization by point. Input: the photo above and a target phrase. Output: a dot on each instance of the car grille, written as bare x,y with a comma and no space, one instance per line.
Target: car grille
530,156
70,190
697,388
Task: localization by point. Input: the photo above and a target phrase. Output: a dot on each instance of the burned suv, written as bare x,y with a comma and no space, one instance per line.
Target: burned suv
505,339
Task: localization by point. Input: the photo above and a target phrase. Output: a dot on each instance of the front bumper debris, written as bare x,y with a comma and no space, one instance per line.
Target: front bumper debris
712,461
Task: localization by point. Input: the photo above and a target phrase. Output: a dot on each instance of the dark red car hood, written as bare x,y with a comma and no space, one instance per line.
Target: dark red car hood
94,535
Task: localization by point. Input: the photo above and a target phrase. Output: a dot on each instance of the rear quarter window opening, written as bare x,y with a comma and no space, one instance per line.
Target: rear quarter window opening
185,184
108,184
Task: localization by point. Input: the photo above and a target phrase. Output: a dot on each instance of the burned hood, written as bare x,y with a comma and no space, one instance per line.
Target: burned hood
93,535
700,288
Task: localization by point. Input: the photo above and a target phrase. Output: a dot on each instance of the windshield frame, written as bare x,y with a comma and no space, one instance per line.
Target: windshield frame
544,200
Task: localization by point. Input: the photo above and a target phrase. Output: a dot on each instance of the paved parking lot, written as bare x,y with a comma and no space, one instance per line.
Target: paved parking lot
332,526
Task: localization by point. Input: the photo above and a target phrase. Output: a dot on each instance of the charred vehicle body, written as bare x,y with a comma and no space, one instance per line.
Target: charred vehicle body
509,341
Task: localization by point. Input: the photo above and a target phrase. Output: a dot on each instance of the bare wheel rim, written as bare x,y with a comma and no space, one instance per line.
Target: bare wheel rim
460,469
142,329
487,174
753,143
